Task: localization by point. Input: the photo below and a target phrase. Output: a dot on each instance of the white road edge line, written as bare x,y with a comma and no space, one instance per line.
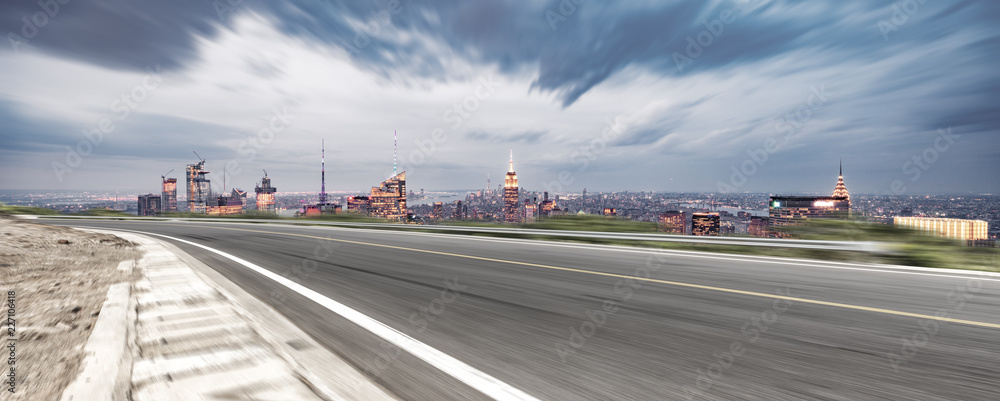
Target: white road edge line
469,375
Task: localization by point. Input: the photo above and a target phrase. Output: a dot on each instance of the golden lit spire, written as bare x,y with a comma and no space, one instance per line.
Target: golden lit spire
840,190
510,181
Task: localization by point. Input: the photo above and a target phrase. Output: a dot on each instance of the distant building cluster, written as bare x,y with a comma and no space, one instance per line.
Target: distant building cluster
202,200
511,204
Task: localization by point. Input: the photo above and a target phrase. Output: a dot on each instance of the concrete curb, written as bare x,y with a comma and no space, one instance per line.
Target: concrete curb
107,366
327,375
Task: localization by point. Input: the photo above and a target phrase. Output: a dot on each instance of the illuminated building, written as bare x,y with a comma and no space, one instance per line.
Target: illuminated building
168,194
510,195
388,200
320,209
149,205
789,210
358,204
673,222
459,211
960,229
545,208
224,206
530,211
241,195
757,227
265,196
840,191
438,211
705,224
198,187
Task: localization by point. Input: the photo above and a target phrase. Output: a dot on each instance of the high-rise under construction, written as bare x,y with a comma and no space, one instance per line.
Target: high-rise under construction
199,188
265,196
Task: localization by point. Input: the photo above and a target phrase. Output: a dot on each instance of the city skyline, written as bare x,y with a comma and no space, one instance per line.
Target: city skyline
610,120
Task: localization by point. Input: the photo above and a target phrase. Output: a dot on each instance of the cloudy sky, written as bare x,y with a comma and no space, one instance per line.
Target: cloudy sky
755,96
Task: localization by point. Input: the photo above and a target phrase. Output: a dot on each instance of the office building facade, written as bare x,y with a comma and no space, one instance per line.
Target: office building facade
149,205
705,224
388,200
959,229
511,195
168,195
199,188
266,196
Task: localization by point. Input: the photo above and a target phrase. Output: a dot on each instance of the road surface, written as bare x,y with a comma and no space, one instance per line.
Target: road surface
580,322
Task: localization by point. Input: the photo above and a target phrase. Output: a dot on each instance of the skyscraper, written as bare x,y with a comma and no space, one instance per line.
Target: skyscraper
388,200
673,222
789,210
265,196
149,205
840,191
510,194
705,224
168,194
198,187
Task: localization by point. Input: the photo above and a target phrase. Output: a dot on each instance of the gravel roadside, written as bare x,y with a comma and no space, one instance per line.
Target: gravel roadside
60,278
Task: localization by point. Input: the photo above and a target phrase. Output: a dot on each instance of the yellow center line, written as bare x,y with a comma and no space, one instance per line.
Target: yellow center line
652,280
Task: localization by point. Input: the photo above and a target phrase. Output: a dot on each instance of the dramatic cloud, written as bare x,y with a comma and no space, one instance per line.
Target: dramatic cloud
699,87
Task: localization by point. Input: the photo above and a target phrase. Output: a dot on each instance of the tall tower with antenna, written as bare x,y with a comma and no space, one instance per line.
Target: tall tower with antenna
394,142
511,194
322,176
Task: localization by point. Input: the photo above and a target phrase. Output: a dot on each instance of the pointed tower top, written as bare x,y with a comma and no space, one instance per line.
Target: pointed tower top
511,160
841,190
394,153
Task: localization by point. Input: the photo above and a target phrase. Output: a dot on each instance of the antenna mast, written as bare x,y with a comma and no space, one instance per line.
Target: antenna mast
322,190
394,142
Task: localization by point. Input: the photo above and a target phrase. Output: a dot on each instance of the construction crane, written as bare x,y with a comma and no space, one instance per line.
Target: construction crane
199,156
265,172
164,175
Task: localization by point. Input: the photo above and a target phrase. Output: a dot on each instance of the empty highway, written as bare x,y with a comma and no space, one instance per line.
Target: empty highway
557,321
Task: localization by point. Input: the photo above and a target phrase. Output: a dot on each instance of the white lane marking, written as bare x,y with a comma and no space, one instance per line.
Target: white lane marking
469,375
915,270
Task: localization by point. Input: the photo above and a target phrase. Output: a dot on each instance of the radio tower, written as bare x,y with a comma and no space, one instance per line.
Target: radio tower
393,153
322,190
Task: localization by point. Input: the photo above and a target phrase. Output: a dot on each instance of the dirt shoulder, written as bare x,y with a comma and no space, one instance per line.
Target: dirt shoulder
60,277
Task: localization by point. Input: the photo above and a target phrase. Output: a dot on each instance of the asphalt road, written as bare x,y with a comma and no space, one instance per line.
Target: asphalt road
580,322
